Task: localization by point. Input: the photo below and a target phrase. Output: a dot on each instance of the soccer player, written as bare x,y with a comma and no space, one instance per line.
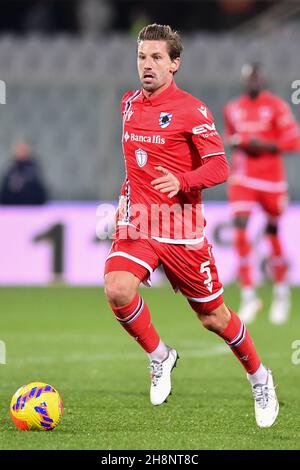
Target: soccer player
172,151
259,126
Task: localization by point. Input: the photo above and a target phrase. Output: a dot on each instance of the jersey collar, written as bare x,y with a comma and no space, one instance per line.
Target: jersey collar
161,97
261,97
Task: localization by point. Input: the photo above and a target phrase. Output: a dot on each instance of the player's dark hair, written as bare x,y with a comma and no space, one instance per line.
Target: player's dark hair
159,32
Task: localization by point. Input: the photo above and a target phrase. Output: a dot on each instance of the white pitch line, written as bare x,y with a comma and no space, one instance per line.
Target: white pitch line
90,358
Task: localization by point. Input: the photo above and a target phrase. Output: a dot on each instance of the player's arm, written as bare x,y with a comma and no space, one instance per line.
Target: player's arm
287,133
214,167
231,137
287,128
252,146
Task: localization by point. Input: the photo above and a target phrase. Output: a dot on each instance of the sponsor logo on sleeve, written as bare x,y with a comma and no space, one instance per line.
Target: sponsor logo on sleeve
204,129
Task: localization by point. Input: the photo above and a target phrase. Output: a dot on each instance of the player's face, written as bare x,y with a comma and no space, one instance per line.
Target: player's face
254,83
155,66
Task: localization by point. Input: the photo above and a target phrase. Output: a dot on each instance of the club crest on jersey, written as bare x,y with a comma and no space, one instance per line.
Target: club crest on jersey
141,157
165,119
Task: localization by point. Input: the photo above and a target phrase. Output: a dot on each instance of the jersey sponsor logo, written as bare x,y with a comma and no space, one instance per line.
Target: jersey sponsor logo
252,126
265,112
238,114
204,129
165,119
203,110
149,139
141,157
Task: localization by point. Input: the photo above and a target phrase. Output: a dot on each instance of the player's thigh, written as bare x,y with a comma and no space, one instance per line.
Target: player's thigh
242,201
192,271
274,204
135,257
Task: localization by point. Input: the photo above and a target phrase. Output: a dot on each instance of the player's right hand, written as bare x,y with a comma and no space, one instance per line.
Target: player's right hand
254,147
121,210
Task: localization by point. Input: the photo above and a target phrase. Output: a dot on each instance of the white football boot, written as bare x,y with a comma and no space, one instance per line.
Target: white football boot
281,305
161,378
249,309
265,402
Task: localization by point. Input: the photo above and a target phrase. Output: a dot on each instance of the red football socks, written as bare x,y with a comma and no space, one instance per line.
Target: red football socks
279,266
243,248
238,339
135,319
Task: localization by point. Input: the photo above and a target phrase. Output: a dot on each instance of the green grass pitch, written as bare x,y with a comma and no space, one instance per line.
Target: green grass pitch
69,338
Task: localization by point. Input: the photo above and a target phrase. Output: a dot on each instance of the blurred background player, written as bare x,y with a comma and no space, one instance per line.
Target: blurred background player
260,127
23,183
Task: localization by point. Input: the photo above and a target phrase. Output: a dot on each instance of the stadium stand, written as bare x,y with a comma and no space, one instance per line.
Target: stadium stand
63,94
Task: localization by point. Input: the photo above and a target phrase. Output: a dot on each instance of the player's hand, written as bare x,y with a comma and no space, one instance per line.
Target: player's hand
254,147
235,141
168,183
117,215
121,210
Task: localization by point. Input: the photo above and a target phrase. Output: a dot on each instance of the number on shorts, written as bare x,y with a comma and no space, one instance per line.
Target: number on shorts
204,268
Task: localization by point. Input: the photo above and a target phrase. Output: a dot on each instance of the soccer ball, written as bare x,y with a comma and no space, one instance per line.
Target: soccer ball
36,406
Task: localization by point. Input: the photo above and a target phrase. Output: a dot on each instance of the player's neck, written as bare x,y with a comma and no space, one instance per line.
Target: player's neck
158,91
253,95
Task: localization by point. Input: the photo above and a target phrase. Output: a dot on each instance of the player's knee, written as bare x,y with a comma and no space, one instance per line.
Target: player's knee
272,228
213,315
212,323
118,290
217,320
240,221
208,321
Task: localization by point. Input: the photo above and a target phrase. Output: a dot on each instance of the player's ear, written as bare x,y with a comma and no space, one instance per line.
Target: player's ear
175,65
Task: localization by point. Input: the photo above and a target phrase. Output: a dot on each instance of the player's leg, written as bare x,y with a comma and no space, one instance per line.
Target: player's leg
242,201
127,266
250,304
129,308
218,318
274,205
193,272
243,249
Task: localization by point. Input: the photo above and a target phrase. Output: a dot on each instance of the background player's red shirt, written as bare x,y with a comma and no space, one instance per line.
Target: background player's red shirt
269,119
172,129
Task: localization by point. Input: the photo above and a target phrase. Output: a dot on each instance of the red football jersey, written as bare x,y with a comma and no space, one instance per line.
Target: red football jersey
269,119
175,130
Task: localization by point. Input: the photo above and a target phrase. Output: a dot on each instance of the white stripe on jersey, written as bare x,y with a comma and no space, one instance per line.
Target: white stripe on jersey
260,184
128,104
212,154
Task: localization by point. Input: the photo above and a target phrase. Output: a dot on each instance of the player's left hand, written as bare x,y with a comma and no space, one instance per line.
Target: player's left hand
167,183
